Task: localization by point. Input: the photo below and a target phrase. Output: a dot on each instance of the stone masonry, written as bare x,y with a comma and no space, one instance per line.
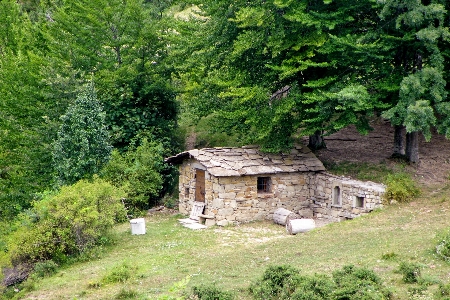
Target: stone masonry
295,181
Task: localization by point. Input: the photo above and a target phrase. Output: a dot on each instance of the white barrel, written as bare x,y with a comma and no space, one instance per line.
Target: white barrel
300,225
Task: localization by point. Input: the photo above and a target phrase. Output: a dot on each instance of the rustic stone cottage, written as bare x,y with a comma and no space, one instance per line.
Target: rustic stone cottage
244,184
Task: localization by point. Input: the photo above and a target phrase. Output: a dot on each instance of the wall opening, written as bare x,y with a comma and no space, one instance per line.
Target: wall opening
359,201
264,185
337,196
186,193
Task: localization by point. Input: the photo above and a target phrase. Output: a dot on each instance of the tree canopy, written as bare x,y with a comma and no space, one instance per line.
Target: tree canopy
266,72
275,70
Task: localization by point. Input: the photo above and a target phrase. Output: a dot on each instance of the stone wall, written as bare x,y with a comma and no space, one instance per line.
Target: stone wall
339,198
236,198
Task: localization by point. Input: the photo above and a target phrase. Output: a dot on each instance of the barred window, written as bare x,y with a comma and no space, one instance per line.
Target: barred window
264,185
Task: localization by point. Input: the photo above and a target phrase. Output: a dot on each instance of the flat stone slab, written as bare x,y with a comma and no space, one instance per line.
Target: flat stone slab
195,226
187,221
191,224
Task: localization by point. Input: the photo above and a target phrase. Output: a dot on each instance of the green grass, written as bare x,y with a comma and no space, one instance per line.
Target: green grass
231,258
363,171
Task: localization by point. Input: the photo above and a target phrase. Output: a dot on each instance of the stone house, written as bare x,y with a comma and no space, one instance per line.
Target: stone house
244,184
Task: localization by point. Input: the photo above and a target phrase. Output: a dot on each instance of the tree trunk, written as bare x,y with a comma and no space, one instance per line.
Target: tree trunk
316,141
412,147
300,225
399,148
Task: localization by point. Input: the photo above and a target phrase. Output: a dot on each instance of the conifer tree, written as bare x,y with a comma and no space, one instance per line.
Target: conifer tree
82,146
414,30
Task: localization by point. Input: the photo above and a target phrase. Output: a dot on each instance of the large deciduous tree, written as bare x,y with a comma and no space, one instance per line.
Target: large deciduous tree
271,70
25,130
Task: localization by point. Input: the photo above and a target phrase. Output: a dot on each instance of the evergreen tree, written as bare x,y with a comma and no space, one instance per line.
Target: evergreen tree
413,30
82,146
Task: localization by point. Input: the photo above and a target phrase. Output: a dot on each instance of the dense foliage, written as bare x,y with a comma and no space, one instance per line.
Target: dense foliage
140,172
82,146
49,52
67,222
286,282
271,71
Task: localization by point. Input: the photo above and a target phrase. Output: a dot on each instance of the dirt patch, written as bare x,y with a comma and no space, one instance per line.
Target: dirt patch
348,145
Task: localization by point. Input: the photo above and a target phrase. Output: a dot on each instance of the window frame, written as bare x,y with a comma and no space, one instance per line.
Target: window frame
264,185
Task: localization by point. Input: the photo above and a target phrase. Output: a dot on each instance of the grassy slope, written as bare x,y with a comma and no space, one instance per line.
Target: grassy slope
232,257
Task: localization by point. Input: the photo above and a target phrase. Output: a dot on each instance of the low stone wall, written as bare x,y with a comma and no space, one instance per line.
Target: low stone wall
339,198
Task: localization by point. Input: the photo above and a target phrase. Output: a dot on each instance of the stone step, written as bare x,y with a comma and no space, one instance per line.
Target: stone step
191,224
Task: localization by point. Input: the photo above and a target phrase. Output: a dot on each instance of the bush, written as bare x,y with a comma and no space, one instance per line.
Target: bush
118,274
138,172
317,287
284,282
82,146
210,292
410,271
443,292
274,280
443,247
358,283
400,188
45,268
67,222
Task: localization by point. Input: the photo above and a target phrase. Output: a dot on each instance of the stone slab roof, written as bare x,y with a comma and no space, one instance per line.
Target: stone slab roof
248,160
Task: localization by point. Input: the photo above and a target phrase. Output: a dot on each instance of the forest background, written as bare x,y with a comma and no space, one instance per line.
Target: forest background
102,90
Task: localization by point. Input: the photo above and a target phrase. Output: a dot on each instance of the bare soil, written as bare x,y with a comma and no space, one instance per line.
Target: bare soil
348,145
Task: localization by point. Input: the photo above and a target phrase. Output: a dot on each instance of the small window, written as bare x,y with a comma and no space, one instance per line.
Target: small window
186,192
337,196
359,202
264,185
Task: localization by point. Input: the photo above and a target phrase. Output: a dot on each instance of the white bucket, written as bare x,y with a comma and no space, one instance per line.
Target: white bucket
137,226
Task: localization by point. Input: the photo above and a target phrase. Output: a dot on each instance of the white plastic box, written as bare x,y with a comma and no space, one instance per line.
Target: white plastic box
137,226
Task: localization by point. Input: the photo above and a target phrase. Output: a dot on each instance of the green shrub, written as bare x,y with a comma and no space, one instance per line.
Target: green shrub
138,172
317,287
45,268
274,279
210,292
410,271
68,222
126,294
358,283
443,292
284,283
82,146
119,273
400,187
443,247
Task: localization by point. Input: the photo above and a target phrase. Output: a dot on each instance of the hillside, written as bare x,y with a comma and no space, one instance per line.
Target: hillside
154,266
348,145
